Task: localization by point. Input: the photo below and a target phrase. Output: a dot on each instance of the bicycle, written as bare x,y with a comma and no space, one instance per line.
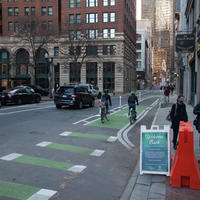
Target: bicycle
103,111
132,115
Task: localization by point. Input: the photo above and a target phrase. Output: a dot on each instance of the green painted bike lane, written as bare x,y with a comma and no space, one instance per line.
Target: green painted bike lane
17,191
118,119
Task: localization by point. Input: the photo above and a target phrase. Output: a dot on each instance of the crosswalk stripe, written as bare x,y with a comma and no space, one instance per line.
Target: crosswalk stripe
90,136
43,194
44,162
72,148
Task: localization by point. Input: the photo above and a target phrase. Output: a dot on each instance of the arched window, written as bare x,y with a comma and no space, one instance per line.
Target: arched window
22,61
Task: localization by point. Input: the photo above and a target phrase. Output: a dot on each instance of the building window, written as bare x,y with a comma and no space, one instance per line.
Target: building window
71,35
78,3
105,2
112,49
91,50
33,26
16,26
105,33
50,11
139,55
26,11
15,0
78,18
92,33
91,3
56,51
50,25
32,11
112,33
10,26
112,17
105,50
16,11
71,18
27,26
44,25
139,64
71,3
43,11
105,17
78,35
112,2
92,18
138,37
138,46
9,11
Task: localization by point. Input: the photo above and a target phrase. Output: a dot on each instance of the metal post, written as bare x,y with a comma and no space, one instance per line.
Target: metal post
140,96
120,101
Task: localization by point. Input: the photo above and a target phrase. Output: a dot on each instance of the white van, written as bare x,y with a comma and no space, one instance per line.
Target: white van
94,90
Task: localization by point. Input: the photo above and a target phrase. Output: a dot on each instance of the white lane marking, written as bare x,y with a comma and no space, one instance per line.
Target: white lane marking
66,133
117,110
124,140
97,153
11,156
156,115
43,194
19,111
77,168
43,144
111,139
82,120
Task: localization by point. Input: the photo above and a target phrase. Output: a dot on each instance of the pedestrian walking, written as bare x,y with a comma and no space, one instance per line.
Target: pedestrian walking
178,113
196,111
172,89
166,93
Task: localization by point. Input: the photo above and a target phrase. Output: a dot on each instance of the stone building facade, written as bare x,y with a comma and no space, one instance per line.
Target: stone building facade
108,28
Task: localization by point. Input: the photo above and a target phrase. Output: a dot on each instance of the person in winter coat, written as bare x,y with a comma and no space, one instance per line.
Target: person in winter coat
166,93
196,111
106,99
178,113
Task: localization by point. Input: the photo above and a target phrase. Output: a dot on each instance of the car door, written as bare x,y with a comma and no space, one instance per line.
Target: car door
29,95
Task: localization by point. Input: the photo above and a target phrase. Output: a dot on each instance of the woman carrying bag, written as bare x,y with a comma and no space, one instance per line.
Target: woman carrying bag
178,113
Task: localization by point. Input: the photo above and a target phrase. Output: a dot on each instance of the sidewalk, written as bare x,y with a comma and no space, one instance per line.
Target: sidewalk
157,187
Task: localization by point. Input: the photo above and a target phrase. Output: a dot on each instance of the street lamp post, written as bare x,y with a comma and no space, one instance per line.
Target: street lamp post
51,74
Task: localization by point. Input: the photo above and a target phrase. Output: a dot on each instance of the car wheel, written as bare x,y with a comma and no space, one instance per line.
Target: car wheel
58,106
37,100
19,102
92,103
80,105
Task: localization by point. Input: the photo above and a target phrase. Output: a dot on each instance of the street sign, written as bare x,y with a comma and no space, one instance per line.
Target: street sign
155,150
185,43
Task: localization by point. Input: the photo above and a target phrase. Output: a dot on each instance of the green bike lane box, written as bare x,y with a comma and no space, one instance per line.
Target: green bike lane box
155,150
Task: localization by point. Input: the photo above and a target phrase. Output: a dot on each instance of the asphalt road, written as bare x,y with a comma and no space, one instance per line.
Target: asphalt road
79,165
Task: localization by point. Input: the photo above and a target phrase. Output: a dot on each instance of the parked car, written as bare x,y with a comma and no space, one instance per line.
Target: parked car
20,96
94,90
38,89
73,95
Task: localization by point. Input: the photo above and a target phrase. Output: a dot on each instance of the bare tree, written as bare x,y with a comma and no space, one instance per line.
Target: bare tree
77,40
35,34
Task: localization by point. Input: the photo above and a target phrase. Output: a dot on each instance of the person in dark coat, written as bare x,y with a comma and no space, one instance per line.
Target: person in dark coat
106,99
178,113
196,111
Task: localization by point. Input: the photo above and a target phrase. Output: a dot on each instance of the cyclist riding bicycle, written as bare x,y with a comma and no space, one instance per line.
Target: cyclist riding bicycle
106,99
132,100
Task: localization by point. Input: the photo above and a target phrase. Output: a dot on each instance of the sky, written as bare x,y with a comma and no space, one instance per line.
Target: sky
138,9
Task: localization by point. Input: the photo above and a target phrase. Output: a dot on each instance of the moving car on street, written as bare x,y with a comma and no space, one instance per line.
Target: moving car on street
20,96
94,90
73,95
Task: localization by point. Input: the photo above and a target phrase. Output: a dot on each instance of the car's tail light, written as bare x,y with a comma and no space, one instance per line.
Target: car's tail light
73,96
56,95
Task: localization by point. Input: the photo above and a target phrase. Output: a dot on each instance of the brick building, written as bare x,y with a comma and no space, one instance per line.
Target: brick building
89,41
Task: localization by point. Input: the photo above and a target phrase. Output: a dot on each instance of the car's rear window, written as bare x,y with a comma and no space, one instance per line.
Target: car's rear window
66,90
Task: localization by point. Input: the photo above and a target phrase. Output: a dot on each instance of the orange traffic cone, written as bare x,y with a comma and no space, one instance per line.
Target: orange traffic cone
185,167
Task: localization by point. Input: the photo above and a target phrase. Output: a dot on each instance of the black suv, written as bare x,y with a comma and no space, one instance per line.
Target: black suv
73,95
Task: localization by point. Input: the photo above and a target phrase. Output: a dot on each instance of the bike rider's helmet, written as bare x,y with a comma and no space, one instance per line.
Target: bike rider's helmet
132,92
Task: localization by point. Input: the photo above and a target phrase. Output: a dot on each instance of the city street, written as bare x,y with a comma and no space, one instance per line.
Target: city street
68,154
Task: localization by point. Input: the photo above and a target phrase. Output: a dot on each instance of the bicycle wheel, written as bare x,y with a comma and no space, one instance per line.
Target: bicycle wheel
131,116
